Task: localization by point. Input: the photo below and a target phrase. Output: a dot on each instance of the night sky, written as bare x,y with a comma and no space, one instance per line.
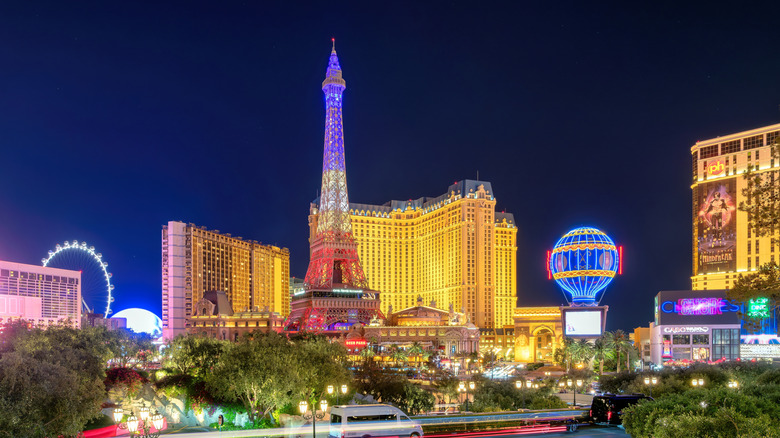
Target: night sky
116,117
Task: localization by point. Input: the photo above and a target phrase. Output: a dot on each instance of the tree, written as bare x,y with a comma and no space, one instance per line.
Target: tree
261,373
563,354
397,354
51,382
602,352
581,351
619,342
193,355
762,205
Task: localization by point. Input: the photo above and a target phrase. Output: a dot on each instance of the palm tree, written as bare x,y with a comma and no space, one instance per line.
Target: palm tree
416,350
563,354
620,342
397,354
602,352
366,353
581,351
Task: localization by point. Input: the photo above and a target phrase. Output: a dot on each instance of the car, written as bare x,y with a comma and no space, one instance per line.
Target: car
608,408
376,420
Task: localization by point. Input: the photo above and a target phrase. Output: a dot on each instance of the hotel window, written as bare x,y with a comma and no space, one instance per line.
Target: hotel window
708,152
771,137
729,147
754,142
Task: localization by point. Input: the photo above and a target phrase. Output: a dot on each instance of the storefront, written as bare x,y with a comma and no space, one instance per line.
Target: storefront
699,326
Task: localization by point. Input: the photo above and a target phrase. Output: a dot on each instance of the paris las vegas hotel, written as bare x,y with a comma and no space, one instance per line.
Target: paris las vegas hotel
723,244
451,249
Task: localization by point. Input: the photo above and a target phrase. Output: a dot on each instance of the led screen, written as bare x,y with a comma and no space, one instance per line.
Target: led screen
583,323
716,225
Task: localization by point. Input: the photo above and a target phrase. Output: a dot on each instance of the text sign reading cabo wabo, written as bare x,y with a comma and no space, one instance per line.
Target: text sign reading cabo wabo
675,330
695,308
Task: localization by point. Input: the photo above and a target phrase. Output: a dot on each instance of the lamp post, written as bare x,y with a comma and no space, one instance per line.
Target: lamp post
143,425
463,388
303,406
576,383
519,385
733,384
332,389
650,382
697,382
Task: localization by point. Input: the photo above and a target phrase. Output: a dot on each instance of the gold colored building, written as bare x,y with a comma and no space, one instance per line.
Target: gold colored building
538,333
723,244
454,249
196,260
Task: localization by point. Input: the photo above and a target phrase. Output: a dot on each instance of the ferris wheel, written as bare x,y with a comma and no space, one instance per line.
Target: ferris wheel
96,287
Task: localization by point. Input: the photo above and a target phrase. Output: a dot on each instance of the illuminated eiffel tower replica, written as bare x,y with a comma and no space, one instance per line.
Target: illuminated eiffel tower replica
335,294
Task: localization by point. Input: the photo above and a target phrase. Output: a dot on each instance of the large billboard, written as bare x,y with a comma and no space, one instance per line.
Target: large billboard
699,307
716,226
586,321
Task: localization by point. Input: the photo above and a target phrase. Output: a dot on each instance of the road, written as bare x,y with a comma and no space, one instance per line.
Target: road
583,432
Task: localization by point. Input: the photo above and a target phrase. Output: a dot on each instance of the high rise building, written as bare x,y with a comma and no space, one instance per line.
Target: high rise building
41,295
723,244
335,292
453,249
196,260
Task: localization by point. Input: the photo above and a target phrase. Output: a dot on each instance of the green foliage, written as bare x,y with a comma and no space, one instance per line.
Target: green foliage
762,206
702,413
267,371
193,355
548,401
710,411
175,386
51,382
415,400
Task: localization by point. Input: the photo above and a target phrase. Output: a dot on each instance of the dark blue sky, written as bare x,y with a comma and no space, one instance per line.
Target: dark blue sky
116,117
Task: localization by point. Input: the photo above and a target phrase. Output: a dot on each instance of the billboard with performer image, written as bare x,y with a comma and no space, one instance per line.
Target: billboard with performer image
716,226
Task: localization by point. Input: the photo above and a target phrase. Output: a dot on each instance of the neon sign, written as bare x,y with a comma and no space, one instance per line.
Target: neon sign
758,308
355,343
667,350
716,168
699,306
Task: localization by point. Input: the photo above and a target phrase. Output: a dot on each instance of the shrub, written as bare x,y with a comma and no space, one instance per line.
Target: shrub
125,378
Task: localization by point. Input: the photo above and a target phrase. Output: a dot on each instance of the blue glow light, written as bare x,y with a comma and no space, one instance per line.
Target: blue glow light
583,263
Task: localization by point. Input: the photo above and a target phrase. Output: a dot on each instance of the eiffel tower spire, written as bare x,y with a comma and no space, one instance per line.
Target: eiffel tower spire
334,258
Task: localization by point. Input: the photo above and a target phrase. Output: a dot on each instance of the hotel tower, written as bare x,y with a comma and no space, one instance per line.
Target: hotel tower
451,249
723,244
196,260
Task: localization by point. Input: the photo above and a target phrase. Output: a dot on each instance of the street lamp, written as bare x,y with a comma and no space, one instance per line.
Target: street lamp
650,382
463,388
577,383
733,384
697,382
303,406
144,425
519,385
332,389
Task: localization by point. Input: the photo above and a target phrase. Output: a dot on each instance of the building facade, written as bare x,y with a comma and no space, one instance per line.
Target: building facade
43,296
538,333
723,244
448,332
454,249
196,260
694,326
213,317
